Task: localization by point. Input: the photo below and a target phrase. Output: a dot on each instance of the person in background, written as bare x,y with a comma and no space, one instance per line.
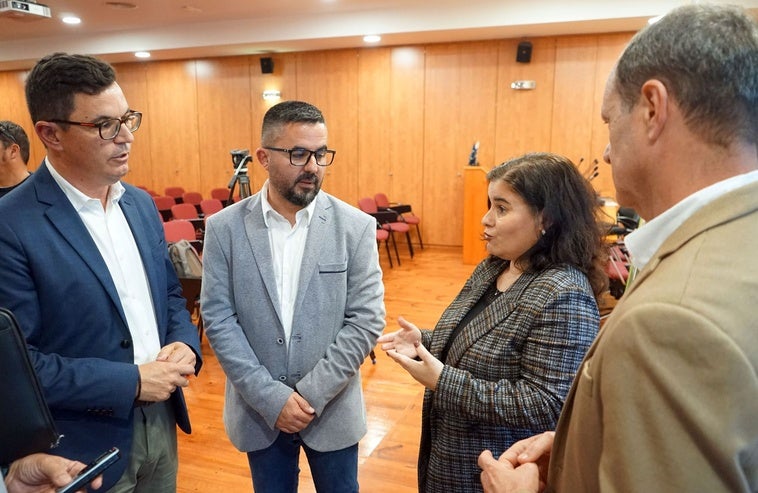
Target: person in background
85,269
667,397
42,473
501,359
292,301
14,156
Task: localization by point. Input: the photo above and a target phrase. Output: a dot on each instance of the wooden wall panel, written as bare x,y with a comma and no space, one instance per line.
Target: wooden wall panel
173,130
524,116
610,47
461,85
225,121
402,119
406,124
13,108
132,77
283,79
574,95
373,165
329,80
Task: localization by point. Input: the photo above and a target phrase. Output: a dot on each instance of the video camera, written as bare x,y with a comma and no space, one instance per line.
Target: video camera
240,157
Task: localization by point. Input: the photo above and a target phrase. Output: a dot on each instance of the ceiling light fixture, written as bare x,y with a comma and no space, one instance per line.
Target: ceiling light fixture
372,38
71,20
142,54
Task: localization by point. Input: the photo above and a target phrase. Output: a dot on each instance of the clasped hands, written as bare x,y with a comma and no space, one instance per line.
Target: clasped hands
172,367
296,414
521,469
405,348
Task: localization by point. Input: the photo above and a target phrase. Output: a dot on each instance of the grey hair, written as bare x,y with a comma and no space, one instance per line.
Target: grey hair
707,57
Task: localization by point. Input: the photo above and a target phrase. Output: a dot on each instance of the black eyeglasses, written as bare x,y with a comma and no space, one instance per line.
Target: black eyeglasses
300,156
110,127
7,134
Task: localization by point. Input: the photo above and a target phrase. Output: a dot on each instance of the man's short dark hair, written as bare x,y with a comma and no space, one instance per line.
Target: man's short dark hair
11,133
56,79
287,112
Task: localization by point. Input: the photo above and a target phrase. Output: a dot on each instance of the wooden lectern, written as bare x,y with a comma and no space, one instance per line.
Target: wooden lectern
474,208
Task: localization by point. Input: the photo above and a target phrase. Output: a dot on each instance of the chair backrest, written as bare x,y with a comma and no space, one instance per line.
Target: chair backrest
175,192
184,211
381,200
179,230
164,202
193,198
210,206
221,194
367,205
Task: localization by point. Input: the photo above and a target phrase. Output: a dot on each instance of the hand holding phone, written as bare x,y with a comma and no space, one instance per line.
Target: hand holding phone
93,470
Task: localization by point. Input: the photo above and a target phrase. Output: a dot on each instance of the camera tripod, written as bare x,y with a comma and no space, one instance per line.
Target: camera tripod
239,177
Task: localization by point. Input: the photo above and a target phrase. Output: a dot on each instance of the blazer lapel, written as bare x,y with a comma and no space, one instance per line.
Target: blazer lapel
317,235
490,317
257,235
66,220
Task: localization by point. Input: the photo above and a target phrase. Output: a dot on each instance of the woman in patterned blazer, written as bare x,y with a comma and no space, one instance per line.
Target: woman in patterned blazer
500,361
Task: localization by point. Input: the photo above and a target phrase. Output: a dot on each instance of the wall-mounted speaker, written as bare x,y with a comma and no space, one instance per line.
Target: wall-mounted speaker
267,65
524,52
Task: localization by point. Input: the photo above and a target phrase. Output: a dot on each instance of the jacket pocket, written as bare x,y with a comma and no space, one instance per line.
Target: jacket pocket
332,268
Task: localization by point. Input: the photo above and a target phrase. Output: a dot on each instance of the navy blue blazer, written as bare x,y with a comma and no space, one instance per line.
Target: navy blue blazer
53,278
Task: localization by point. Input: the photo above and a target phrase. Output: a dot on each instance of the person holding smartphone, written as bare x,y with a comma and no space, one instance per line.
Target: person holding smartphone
42,473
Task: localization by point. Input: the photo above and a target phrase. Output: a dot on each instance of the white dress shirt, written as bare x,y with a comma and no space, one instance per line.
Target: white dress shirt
111,233
287,244
644,242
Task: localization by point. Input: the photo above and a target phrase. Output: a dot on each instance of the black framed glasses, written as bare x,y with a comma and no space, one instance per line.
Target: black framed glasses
110,127
7,134
300,156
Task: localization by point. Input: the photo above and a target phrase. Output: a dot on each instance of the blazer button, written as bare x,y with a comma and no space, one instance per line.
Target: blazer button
280,340
283,378
126,344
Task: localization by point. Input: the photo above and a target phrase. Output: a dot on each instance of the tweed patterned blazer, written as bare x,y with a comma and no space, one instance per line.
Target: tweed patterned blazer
507,372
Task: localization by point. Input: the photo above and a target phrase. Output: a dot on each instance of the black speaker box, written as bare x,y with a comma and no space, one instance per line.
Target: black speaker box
267,65
524,52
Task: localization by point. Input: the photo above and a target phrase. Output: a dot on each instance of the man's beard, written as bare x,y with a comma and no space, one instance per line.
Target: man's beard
304,198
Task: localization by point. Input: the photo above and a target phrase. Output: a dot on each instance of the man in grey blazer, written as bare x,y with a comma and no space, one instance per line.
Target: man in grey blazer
292,299
667,397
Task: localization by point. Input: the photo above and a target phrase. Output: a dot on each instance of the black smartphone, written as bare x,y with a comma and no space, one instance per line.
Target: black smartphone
93,470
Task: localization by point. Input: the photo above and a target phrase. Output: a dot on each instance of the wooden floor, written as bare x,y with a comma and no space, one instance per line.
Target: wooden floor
419,290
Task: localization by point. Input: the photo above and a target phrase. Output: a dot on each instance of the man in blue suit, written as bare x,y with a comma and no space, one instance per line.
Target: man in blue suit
86,271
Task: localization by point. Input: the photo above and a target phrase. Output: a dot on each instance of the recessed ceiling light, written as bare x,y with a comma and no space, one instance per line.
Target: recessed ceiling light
71,19
372,38
142,54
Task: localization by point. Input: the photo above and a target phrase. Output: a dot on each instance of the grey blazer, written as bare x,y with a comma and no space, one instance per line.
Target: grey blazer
339,313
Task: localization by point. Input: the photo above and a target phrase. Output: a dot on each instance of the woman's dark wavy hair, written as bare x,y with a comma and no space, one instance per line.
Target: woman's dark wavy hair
550,184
